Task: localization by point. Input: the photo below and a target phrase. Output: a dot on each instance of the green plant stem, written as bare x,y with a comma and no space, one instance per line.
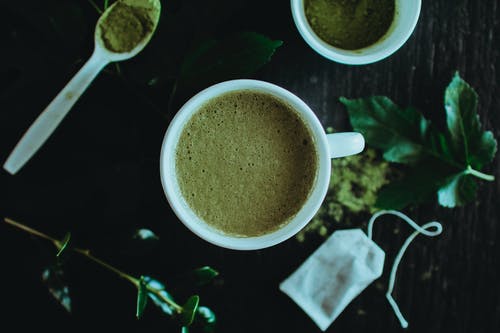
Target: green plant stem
104,264
86,253
177,308
479,174
30,230
96,7
106,4
118,69
172,96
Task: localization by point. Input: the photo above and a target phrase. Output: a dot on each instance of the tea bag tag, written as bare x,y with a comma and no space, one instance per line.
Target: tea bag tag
338,271
342,267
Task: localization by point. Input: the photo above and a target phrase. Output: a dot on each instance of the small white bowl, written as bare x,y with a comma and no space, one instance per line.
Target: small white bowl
405,20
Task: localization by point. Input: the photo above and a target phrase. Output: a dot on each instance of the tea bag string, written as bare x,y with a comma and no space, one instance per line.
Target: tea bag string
424,229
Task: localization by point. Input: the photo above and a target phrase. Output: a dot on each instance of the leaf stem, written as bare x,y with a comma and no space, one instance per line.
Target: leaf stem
479,174
96,7
104,264
177,308
118,69
172,96
30,230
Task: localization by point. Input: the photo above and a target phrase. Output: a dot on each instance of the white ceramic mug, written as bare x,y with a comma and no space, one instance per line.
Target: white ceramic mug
405,19
328,146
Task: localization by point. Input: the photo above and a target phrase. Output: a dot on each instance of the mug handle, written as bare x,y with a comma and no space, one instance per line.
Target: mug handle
345,144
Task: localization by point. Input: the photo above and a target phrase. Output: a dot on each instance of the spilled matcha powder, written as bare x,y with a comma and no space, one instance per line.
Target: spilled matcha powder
350,24
353,188
125,27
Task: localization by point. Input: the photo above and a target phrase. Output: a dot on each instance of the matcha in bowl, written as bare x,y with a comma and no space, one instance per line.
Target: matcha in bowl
355,32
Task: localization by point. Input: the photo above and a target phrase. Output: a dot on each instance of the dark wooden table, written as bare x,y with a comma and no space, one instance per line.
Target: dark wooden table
98,175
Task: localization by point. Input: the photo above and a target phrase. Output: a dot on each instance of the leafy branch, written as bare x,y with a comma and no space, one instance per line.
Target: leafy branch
443,162
146,286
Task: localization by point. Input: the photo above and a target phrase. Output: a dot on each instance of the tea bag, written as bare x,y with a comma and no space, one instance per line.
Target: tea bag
342,267
334,274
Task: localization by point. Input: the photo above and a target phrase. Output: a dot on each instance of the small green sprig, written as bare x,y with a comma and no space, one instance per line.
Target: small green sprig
147,287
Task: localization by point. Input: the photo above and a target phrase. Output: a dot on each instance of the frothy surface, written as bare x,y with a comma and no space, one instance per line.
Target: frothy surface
246,163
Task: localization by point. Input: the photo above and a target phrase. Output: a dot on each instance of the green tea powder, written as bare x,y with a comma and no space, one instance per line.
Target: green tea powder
350,24
352,192
125,27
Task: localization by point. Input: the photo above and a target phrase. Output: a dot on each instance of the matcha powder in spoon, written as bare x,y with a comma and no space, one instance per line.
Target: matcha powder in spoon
125,27
350,24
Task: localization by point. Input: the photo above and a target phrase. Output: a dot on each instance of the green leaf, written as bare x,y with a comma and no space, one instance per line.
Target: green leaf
204,275
206,318
399,133
143,241
419,185
142,297
458,190
184,329
64,244
189,310
475,147
155,284
236,56
53,277
145,235
140,243
443,162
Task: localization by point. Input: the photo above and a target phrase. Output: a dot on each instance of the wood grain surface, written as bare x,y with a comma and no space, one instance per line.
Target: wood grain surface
98,175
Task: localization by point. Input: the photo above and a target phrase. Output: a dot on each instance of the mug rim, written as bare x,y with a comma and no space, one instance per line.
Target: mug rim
187,216
353,57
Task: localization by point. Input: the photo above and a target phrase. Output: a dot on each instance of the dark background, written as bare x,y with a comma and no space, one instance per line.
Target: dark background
98,174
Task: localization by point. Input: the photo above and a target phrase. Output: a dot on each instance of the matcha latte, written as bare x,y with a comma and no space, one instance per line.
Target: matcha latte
246,163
